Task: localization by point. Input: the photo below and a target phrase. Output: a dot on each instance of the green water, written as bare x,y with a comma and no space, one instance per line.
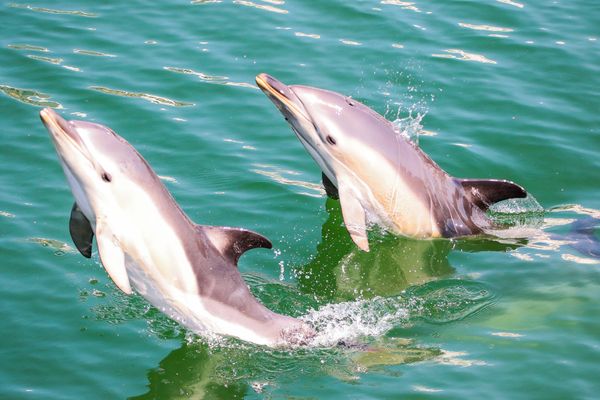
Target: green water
506,90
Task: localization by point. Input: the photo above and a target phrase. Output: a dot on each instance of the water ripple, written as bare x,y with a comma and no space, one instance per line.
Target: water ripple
511,3
216,79
92,53
145,96
202,76
350,42
489,28
29,96
277,176
28,47
54,11
458,54
262,6
308,35
444,301
405,5
59,248
50,60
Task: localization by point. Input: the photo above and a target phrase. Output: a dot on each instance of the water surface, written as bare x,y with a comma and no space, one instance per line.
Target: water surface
492,89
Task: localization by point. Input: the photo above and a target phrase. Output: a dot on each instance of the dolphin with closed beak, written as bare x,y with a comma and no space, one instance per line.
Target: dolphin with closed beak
147,243
379,175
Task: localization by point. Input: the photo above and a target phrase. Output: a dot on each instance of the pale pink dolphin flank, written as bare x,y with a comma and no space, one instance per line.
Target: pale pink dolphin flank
147,243
379,175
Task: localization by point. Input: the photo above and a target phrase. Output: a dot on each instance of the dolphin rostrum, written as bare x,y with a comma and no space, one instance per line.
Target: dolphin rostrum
147,243
379,175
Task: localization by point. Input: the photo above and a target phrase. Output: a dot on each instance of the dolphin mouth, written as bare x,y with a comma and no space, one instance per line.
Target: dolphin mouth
282,95
59,127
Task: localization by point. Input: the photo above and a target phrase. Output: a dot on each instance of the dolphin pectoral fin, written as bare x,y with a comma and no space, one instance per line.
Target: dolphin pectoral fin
81,231
354,217
112,258
233,242
330,188
485,192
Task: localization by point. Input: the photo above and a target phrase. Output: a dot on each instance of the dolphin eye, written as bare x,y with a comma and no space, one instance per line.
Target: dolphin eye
350,102
106,177
330,140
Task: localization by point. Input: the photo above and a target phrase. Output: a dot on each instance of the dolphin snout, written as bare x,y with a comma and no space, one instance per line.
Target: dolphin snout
272,86
56,124
283,96
59,128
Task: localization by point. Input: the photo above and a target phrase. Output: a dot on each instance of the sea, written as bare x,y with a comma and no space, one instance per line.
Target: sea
503,89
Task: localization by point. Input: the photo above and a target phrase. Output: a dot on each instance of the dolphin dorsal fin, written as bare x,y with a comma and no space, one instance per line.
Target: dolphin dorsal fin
233,242
485,192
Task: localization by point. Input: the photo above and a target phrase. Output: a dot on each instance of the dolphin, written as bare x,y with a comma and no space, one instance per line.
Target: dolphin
147,243
380,176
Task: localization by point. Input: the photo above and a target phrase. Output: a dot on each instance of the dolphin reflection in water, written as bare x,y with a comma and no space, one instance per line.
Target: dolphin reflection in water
339,271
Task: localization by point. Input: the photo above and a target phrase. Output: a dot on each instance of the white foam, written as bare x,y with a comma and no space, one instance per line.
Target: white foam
351,320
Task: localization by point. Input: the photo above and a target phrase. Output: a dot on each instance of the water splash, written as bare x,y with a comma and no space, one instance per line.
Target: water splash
437,302
410,126
517,213
349,321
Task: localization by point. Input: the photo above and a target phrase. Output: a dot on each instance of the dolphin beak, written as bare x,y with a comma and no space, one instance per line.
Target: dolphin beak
281,95
63,131
59,127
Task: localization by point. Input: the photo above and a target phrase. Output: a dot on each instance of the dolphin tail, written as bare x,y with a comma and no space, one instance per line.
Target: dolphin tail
485,192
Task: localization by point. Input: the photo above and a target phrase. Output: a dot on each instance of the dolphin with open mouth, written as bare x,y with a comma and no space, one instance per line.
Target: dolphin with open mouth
147,243
379,175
